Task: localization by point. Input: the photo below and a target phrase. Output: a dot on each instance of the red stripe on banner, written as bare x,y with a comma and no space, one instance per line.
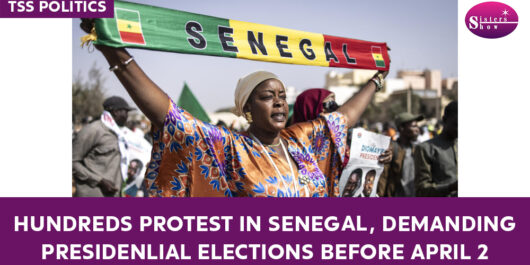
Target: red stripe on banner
130,37
356,54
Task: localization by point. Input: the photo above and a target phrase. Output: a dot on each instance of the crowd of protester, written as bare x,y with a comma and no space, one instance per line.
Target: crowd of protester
422,160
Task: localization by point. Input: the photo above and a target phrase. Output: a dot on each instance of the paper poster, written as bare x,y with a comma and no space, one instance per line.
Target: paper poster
361,175
139,153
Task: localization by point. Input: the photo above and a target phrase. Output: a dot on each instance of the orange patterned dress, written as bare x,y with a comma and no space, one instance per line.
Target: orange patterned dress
192,158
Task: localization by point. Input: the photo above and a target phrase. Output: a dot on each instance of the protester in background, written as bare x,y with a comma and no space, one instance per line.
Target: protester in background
388,130
437,159
193,158
377,128
145,124
99,152
310,103
437,129
398,179
432,131
135,126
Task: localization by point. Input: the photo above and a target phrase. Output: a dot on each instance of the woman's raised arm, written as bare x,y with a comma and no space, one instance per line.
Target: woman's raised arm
355,106
151,100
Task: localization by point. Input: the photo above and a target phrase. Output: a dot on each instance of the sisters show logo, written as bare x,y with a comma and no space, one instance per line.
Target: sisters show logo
491,20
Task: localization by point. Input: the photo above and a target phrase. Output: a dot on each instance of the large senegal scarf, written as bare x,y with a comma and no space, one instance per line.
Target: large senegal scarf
154,28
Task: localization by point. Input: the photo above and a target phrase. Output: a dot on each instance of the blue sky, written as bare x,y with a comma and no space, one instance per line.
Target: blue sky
421,33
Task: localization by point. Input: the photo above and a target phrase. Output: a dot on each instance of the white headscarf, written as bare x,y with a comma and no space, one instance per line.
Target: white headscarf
246,85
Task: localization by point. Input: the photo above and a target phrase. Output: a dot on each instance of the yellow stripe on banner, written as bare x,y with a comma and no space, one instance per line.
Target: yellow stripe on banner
129,26
378,56
270,34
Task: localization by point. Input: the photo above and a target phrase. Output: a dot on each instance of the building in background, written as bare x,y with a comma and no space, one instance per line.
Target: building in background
412,90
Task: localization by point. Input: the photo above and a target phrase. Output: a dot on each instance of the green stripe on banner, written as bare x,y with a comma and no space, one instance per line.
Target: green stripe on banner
127,15
165,30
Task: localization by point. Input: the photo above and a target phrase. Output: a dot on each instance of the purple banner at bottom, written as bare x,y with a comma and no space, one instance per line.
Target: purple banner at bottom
264,231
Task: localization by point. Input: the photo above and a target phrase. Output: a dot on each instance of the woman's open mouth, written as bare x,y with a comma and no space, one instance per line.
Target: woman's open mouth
279,117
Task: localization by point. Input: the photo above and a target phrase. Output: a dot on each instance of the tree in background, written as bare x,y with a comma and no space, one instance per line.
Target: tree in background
88,96
398,105
388,110
373,113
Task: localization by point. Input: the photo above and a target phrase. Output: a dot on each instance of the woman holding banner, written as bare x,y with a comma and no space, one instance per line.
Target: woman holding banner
193,158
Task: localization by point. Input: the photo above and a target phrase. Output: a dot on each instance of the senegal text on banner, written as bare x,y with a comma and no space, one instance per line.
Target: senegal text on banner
148,27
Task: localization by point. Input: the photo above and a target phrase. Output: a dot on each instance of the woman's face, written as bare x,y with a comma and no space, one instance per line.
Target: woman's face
268,106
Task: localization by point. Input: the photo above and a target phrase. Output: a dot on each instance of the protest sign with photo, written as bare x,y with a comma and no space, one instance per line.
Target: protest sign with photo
360,176
139,153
